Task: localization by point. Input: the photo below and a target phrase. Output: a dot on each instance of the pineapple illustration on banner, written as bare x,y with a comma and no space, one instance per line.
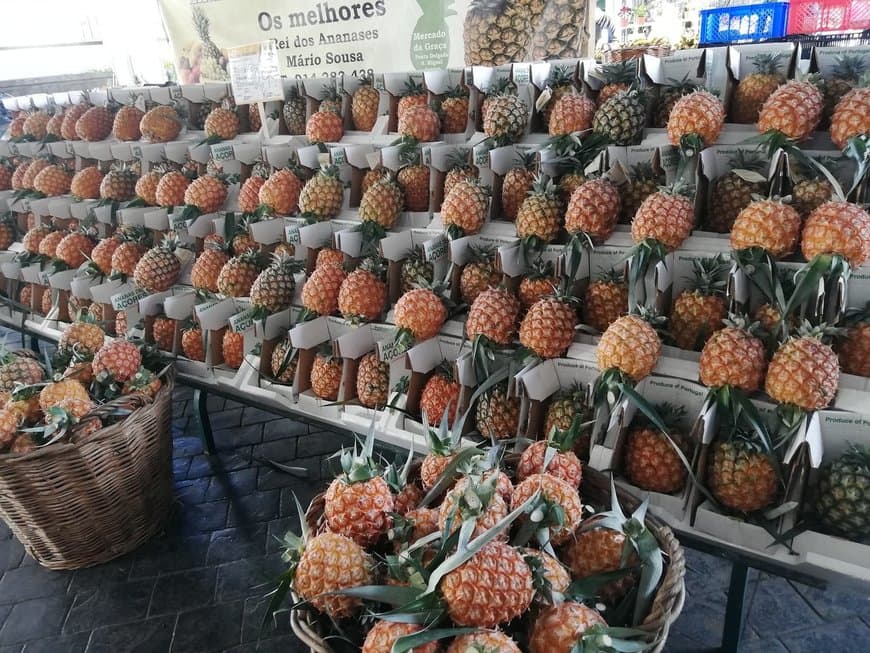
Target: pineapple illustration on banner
430,40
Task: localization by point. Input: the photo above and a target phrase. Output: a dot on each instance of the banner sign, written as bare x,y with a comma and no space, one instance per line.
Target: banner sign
314,38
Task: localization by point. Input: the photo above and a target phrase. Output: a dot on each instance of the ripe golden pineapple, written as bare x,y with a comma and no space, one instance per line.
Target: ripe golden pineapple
74,249
599,550
593,210
651,460
803,372
618,77
320,292
558,628
753,90
171,189
699,114
280,192
326,376
18,368
329,256
558,493
630,345
384,634
160,125
322,195
363,293
571,113
85,184
506,119
192,343
478,274
538,218
421,312
668,97
117,359
460,170
464,210
537,284
768,224
845,76
35,125
420,122
699,310
233,349
794,109
734,191
493,315
324,127
51,181
605,300
33,238
556,452
666,217
621,118
222,124
838,228
159,267
125,127
497,414
414,182
163,332
853,346
516,185
372,381
381,203
364,104
95,124
126,255
48,245
548,327
740,476
70,118
238,275
851,117
643,182
454,111
249,194
36,166
119,185
206,193
733,356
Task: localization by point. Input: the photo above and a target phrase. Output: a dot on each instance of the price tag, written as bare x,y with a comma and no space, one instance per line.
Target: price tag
175,92
390,350
178,221
379,83
338,156
427,156
242,321
291,234
125,300
68,147
13,149
43,277
435,249
522,74
255,74
222,152
136,150
481,157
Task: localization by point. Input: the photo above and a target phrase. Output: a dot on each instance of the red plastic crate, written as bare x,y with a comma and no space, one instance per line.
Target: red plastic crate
812,16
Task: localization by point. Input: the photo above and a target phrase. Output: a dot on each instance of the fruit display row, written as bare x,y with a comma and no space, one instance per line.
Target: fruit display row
405,273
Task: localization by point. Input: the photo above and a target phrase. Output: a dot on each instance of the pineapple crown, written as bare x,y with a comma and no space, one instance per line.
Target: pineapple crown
375,265
611,275
671,415
58,422
526,160
768,64
501,86
624,72
857,315
849,67
543,186
644,171
564,441
540,269
457,91
748,160
284,262
823,332
742,322
412,87
473,501
559,76
709,275
481,254
856,455
409,150
684,86
358,465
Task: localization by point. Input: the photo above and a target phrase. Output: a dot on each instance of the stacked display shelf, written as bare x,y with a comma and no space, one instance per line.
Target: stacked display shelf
720,68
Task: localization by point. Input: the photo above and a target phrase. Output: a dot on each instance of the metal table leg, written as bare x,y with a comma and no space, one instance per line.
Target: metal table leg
733,629
200,398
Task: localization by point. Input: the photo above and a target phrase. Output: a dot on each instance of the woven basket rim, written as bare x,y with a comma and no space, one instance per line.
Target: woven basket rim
665,609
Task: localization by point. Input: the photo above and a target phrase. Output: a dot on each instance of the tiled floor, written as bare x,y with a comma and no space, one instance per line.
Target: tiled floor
200,586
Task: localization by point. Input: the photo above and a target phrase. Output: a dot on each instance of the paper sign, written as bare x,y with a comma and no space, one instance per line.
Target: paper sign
255,74
242,321
123,301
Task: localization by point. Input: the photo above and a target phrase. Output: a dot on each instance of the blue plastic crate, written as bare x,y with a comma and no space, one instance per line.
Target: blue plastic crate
745,23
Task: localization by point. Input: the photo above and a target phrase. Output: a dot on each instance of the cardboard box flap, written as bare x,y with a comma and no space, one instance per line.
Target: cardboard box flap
81,287
177,151
683,64
151,304
102,293
740,57
267,231
62,280
180,306
274,326
317,235
355,343
213,315
309,334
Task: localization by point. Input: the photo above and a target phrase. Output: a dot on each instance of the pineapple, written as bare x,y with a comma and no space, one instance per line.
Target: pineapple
36,166
516,185
7,232
571,113
733,356
16,369
669,96
364,104
699,115
621,119
284,361
328,256
699,310
493,315
221,124
506,119
547,329
643,181
233,349
63,390
483,641
146,188
652,457
254,122
753,90
35,125
171,189
52,181
237,277
735,190
384,634
769,225
538,217
17,180
119,185
274,287
605,300
472,498
809,193
324,127
413,179
618,77
570,410
118,360
630,345
281,191
740,475
803,372
249,194
454,111
321,290
160,125
70,118
464,210
845,76
412,95
6,172
9,422
82,337
372,381
95,124
74,249
129,251
326,376
416,270
841,229
497,414
205,271
372,175
478,274
48,245
853,346
420,123
472,601
322,195
159,268
460,170
125,127
666,217
557,452
850,119
537,284
498,33
192,342
794,110
363,293
440,396
382,203
163,331
598,550
293,112
559,497
841,502
207,194
559,84
593,210
560,628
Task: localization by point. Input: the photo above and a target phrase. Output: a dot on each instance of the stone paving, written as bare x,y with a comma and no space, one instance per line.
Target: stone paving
200,585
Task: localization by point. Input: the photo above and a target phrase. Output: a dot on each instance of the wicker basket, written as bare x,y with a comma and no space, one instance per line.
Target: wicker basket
595,490
635,52
79,505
